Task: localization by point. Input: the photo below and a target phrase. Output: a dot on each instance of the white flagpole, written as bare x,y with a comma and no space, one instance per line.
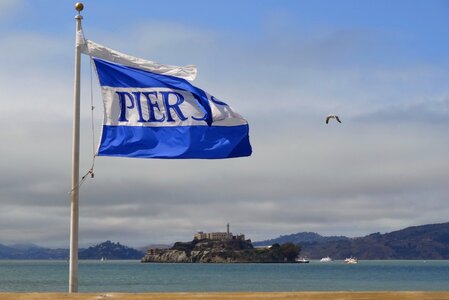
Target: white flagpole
74,210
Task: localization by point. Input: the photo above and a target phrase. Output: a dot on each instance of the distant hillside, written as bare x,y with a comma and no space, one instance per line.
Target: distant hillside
110,250
29,251
417,242
300,238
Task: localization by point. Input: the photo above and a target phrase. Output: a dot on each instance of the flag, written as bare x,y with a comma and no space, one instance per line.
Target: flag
153,115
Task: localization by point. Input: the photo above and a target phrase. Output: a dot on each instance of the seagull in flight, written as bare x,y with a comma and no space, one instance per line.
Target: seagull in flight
332,117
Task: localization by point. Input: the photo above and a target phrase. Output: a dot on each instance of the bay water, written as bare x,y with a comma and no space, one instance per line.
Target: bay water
133,276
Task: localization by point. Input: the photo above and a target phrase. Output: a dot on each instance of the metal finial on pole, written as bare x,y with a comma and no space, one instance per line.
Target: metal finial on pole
74,206
79,6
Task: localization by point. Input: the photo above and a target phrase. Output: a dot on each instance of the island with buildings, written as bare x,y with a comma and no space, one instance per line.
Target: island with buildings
221,247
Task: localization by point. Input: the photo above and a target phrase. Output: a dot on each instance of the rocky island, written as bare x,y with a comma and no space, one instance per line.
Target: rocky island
222,247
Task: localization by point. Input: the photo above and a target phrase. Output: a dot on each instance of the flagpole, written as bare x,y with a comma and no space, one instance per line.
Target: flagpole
74,207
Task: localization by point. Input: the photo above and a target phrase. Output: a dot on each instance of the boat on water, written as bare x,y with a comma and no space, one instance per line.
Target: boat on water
302,260
351,260
326,259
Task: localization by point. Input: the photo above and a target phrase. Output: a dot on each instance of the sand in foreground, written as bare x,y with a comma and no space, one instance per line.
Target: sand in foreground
227,296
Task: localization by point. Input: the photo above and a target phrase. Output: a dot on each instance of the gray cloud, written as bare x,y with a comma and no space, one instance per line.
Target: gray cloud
431,111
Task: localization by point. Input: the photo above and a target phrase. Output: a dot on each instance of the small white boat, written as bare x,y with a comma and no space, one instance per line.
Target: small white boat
351,260
326,259
302,260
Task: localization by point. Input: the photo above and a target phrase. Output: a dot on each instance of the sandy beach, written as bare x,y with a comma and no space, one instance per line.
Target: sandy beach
226,296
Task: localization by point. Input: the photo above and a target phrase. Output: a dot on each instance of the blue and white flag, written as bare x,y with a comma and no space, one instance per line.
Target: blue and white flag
151,115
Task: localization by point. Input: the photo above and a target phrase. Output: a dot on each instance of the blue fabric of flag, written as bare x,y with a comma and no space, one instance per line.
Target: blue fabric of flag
150,115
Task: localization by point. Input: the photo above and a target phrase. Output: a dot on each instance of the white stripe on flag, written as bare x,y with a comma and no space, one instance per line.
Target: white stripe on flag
96,50
135,110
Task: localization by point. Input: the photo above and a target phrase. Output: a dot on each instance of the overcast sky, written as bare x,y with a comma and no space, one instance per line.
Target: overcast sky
382,66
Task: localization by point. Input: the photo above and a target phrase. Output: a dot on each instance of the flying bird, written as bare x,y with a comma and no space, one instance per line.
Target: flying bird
332,117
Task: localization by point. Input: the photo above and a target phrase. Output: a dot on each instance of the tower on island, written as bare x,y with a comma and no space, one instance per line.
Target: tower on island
220,236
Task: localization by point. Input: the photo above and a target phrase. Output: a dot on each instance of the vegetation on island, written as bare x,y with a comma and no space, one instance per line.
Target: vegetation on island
110,250
300,238
223,251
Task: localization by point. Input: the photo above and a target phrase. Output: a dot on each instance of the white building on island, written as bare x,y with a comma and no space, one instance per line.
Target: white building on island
221,236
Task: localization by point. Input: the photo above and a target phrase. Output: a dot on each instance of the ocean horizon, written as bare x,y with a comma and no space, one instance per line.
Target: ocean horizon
133,276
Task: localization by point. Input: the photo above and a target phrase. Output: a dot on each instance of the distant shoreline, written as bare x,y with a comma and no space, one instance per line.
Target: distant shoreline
403,295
